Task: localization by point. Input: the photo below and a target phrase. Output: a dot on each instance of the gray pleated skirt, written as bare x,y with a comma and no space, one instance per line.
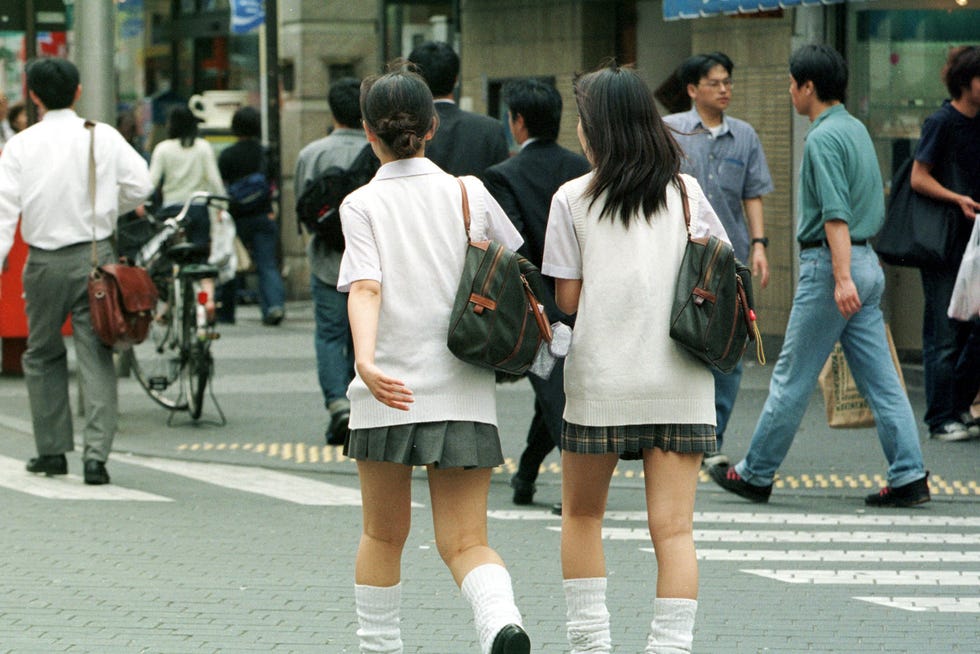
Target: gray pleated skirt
443,444
629,441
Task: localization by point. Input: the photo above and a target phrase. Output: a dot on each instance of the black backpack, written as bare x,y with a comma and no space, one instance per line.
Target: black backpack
317,207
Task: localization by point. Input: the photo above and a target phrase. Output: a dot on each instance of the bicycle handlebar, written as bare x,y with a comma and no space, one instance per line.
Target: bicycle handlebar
197,197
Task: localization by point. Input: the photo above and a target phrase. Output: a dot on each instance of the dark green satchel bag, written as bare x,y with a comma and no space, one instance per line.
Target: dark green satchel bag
712,316
497,321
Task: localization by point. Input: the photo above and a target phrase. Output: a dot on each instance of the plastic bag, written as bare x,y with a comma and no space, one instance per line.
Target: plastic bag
223,247
965,302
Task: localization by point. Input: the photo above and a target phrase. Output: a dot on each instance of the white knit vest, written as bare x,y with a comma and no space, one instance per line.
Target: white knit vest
623,368
417,224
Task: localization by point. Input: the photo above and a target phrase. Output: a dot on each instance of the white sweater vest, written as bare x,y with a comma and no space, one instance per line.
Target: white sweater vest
623,368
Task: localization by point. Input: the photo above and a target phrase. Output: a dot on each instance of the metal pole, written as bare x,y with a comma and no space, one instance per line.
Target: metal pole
30,51
272,99
95,37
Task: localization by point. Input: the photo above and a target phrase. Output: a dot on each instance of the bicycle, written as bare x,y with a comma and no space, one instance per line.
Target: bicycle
174,364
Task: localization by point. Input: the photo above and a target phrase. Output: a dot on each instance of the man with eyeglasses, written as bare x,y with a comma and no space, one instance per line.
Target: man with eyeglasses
725,156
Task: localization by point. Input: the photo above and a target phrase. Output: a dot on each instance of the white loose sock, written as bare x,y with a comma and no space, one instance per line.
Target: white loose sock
672,629
378,610
489,591
588,617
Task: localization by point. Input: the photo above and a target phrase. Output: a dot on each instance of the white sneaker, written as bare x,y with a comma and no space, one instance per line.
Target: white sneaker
951,431
972,424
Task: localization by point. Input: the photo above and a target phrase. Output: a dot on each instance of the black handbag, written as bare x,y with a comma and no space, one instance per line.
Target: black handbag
497,321
920,232
712,315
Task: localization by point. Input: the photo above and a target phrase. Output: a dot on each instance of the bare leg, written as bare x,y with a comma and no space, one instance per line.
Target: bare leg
584,490
386,495
459,515
671,480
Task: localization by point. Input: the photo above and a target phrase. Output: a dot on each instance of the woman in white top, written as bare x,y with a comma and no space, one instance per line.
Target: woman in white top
412,402
181,165
614,243
185,163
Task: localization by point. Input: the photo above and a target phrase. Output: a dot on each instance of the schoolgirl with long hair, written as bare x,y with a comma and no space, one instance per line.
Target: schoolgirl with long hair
614,243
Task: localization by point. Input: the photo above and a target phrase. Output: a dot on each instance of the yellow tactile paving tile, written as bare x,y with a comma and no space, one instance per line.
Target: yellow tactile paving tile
301,452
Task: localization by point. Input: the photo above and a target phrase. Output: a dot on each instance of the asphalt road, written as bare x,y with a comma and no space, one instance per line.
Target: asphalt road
240,538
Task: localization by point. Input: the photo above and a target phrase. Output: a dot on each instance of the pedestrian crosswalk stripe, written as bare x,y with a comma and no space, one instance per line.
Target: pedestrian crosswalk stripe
936,604
774,536
838,556
873,577
831,519
67,487
271,483
745,518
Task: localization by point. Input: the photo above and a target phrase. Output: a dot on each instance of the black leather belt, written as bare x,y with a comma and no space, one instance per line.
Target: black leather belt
822,243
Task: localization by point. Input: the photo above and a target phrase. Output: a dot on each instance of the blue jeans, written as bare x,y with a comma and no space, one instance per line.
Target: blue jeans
332,340
726,390
261,236
943,341
814,326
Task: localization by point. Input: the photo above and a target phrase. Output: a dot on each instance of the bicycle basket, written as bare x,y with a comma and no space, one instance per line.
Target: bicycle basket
132,233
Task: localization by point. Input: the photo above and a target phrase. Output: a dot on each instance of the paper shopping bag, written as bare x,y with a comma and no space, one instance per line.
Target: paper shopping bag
846,407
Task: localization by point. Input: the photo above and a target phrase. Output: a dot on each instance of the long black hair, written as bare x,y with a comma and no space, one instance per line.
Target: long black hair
182,125
633,153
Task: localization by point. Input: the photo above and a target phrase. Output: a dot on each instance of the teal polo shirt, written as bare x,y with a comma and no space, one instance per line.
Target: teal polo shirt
840,178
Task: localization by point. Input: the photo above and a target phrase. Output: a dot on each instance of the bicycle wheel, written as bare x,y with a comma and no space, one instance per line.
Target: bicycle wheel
197,368
157,361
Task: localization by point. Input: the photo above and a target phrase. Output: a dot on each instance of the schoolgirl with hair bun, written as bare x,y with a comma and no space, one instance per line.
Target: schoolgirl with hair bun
412,402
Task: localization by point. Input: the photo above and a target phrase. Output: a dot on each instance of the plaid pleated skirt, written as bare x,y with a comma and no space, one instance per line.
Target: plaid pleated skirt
629,441
443,444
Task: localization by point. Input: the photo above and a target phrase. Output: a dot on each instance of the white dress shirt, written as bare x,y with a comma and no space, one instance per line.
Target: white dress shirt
44,172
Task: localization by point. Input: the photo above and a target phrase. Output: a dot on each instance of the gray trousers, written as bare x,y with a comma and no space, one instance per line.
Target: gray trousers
55,285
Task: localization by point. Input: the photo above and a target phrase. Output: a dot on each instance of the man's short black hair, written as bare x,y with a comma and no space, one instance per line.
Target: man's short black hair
438,64
344,98
247,123
54,82
961,67
698,66
539,103
822,65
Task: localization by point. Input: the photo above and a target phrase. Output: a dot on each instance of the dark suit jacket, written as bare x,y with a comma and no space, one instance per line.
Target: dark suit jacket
466,143
524,185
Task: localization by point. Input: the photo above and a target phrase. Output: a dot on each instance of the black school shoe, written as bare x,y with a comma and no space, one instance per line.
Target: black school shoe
523,491
731,481
512,639
49,464
910,494
95,473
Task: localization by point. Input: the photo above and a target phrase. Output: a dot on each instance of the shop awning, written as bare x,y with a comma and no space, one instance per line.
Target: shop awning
679,9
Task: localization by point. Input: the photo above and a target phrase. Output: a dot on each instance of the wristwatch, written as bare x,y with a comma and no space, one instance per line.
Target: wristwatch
763,240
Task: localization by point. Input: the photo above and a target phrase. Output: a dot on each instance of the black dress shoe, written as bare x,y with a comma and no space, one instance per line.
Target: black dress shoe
337,430
512,639
95,473
556,508
523,491
49,464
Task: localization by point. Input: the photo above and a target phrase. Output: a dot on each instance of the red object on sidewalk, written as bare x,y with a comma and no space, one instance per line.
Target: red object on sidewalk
13,320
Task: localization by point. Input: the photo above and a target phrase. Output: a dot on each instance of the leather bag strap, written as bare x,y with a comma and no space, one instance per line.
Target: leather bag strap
466,208
687,206
89,125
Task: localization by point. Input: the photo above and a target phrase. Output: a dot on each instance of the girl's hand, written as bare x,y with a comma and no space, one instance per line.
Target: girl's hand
387,390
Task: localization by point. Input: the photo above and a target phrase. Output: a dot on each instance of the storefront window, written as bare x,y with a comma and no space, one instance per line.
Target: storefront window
896,58
407,24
